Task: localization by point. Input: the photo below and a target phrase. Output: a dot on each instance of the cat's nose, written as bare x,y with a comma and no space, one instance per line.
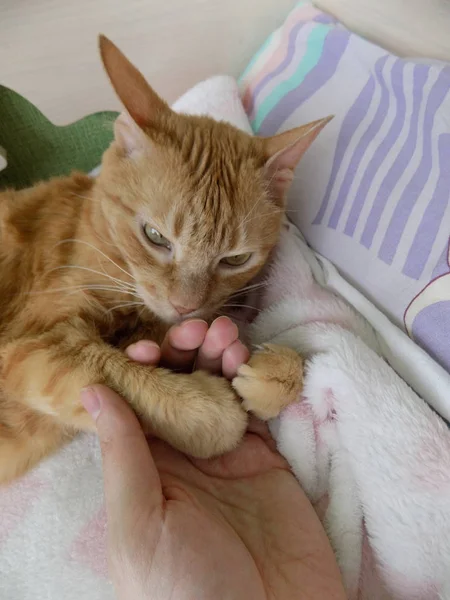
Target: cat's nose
182,309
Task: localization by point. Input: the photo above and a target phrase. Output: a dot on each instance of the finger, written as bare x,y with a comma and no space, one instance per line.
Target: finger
222,333
233,357
145,352
131,480
179,348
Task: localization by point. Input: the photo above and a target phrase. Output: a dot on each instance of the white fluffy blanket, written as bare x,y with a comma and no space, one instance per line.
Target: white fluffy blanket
371,454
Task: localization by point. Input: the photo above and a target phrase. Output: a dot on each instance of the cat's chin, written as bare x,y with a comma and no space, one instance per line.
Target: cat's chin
171,317
160,310
178,319
168,315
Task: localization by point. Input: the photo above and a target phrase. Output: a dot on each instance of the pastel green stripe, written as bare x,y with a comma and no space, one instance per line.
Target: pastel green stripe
255,58
266,44
312,55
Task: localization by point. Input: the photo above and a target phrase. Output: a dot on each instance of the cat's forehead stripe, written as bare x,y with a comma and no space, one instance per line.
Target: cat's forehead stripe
215,181
177,223
204,232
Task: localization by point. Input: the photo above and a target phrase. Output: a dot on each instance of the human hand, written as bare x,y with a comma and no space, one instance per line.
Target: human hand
216,349
231,528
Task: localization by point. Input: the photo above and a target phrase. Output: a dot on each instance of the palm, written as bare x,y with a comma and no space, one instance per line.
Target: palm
221,513
199,534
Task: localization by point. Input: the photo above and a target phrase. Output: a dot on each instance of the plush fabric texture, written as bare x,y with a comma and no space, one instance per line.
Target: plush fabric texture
372,194
373,458
35,149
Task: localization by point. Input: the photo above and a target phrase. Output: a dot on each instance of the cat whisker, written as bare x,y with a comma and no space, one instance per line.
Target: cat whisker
241,306
104,289
75,240
77,288
274,212
253,285
249,288
125,305
224,313
236,297
102,239
120,282
85,197
247,216
267,191
94,286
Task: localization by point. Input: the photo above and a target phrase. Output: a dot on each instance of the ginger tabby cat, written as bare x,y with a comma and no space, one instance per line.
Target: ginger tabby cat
183,214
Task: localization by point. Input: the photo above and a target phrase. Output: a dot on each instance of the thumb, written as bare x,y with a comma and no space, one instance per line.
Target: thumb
131,480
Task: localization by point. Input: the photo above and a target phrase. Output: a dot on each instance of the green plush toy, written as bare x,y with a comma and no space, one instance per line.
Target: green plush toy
36,149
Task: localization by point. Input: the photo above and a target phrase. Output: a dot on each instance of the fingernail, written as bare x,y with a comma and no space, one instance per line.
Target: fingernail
139,350
91,402
144,344
221,318
192,321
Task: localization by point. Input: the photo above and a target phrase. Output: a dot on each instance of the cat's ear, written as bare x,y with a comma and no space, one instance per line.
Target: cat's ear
142,103
284,151
129,136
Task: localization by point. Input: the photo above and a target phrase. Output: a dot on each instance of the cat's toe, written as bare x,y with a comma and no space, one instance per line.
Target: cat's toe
272,379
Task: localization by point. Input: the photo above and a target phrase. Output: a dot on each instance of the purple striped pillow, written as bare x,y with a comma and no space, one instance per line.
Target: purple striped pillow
372,194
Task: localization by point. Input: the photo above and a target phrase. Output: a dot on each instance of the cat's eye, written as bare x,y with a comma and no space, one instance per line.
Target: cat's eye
155,237
236,260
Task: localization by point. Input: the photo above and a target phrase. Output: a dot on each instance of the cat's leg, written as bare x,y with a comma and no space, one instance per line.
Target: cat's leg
272,379
197,413
26,437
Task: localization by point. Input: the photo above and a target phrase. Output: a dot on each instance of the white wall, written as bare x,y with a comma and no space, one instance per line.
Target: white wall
48,48
407,27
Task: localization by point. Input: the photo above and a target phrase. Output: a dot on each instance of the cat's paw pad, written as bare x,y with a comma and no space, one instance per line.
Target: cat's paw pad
270,381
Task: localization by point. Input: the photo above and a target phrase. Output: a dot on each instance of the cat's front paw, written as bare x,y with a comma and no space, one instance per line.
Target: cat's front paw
206,417
270,381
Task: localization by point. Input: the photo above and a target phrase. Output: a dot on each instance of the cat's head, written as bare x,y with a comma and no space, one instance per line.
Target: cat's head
194,205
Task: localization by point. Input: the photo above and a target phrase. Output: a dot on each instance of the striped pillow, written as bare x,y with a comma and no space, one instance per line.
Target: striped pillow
372,194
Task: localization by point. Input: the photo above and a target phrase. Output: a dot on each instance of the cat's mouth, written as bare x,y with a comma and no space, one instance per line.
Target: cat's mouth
167,313
242,306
